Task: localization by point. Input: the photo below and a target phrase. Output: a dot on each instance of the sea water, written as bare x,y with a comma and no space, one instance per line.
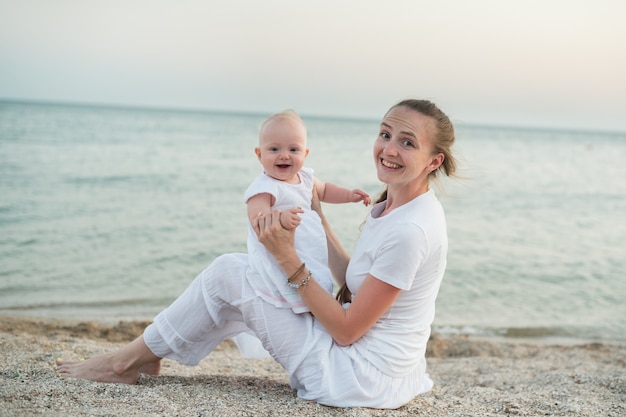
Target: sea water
108,213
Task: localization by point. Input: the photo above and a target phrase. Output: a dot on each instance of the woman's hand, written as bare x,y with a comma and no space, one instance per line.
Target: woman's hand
277,240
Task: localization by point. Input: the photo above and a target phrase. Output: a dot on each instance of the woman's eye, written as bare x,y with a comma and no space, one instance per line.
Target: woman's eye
384,135
407,143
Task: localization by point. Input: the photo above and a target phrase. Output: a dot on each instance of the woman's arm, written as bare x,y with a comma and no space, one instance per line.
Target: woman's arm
344,325
338,258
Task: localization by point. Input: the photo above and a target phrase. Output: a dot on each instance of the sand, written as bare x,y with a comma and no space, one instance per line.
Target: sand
473,377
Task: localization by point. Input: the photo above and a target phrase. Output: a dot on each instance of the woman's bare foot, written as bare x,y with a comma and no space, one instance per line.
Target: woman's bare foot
151,368
98,368
122,366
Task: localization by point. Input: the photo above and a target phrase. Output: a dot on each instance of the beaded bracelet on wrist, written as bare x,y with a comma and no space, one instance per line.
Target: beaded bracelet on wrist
305,281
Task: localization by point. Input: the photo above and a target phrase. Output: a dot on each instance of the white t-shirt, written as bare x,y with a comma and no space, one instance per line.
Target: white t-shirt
405,248
265,275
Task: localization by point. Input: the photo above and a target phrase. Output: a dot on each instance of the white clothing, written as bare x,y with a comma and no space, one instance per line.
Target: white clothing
407,249
386,368
266,276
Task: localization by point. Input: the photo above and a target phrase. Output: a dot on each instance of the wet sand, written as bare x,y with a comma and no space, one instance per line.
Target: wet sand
473,377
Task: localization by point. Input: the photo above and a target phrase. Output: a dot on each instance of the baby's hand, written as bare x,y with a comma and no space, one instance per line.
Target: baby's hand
360,195
290,219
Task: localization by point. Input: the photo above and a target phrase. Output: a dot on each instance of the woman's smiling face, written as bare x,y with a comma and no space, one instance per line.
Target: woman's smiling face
403,151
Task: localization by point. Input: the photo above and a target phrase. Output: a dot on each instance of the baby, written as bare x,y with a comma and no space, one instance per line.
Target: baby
287,185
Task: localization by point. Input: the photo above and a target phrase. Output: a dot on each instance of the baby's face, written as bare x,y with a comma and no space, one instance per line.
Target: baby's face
282,149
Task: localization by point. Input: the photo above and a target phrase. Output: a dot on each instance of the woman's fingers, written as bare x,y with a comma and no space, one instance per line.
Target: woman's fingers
272,234
276,225
266,224
255,223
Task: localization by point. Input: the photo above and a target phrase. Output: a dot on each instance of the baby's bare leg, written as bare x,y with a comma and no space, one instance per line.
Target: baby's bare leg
121,366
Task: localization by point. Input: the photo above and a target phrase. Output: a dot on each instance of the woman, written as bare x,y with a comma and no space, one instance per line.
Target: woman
370,353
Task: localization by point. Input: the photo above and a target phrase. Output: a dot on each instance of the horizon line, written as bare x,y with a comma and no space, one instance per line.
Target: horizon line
145,107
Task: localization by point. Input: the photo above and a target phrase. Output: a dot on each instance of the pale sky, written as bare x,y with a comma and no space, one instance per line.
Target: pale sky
526,63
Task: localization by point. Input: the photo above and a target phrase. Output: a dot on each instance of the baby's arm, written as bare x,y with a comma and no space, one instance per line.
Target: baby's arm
333,193
261,204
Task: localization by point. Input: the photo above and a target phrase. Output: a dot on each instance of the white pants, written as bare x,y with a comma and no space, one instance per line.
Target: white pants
221,304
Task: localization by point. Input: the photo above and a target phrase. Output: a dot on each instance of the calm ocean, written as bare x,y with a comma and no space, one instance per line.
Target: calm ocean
108,214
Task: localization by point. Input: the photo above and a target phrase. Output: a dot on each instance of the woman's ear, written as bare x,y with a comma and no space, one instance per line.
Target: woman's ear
436,161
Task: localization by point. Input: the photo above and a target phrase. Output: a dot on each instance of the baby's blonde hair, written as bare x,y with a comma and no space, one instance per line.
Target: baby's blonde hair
287,115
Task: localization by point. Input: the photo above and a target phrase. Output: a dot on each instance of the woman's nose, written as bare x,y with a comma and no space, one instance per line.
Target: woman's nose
390,148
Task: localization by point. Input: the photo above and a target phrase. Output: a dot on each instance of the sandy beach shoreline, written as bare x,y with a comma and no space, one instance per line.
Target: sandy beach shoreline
473,377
